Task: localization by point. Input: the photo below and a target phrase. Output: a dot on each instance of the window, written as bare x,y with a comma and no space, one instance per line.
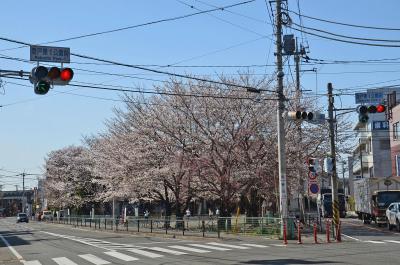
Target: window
395,131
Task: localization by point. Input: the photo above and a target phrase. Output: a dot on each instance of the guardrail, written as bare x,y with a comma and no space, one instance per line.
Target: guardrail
194,226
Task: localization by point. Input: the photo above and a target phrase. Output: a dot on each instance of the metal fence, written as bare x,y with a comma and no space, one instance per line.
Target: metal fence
193,226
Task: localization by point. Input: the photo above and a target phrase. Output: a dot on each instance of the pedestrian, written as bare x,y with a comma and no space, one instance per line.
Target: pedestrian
217,212
188,213
210,213
146,214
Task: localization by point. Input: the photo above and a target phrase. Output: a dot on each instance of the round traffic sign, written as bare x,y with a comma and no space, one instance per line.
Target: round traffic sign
314,188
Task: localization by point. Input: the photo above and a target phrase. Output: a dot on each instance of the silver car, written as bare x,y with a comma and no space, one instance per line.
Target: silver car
393,216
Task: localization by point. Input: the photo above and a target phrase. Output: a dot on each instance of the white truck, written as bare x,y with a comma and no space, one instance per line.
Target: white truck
372,196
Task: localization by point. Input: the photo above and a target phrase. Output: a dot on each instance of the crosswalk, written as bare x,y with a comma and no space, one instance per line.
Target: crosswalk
381,241
117,253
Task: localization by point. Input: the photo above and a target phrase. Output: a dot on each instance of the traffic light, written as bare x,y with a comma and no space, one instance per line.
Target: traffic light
311,164
300,115
363,111
42,78
312,168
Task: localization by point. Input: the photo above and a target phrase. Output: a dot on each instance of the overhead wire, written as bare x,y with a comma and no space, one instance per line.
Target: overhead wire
138,25
149,69
344,24
347,41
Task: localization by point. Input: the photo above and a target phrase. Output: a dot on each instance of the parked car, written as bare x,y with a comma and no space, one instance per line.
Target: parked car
393,216
22,217
47,216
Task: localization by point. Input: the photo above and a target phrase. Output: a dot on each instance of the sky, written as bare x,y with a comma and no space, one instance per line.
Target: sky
33,125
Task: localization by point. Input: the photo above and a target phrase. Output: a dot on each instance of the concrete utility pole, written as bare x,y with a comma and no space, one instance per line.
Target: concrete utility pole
298,102
335,200
280,121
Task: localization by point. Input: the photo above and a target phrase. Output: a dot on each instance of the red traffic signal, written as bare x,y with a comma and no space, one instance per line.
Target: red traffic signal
66,74
362,109
380,108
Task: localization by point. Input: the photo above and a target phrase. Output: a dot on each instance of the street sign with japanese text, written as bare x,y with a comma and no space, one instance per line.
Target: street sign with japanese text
49,54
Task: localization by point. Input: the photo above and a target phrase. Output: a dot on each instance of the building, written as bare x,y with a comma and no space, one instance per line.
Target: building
13,202
394,125
371,156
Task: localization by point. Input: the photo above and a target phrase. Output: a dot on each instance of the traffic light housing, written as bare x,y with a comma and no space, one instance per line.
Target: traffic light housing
311,164
364,110
300,115
43,78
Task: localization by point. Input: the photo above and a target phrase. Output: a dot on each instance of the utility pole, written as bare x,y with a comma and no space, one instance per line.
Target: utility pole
298,102
361,162
332,121
23,192
280,121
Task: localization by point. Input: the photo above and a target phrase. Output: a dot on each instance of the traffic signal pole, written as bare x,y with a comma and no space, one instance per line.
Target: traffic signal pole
335,197
280,121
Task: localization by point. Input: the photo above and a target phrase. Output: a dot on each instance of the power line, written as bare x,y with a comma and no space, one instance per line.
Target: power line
224,20
154,92
344,36
150,70
344,24
347,41
139,25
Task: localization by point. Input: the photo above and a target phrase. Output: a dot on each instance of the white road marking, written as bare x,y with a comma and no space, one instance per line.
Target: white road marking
93,259
255,245
209,247
170,251
64,261
196,250
32,262
278,245
120,256
356,239
16,254
144,253
227,245
392,241
374,242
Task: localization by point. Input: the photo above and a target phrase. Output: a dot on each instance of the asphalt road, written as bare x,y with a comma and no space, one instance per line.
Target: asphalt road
41,243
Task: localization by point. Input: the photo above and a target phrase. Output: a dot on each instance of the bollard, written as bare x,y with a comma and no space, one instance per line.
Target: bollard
284,233
203,227
299,233
183,227
138,225
327,232
151,226
338,235
315,233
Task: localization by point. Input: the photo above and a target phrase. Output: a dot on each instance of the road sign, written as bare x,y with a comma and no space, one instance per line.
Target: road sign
369,97
314,188
312,175
49,54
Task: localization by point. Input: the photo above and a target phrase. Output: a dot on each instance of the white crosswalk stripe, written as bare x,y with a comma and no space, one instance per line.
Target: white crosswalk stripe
278,245
120,256
32,262
227,245
209,247
392,241
93,259
144,253
196,250
375,242
254,245
64,261
166,250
